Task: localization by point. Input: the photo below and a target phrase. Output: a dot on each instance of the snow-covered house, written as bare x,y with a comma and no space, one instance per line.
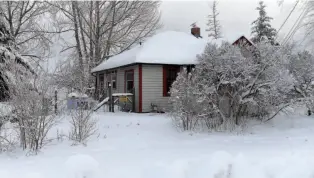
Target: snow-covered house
150,67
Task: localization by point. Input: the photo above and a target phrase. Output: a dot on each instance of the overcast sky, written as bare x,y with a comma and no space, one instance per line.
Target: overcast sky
235,16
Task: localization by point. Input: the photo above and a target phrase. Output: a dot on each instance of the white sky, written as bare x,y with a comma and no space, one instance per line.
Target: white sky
235,16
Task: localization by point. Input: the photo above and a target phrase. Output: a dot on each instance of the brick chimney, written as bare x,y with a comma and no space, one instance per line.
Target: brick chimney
196,31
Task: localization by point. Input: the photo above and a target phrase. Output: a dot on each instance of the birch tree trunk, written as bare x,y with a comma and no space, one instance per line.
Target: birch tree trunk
77,39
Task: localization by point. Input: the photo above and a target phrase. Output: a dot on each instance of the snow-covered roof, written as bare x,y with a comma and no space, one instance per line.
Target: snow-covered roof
243,36
170,47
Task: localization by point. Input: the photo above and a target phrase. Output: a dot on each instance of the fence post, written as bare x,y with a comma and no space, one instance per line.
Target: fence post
110,98
133,100
112,103
56,101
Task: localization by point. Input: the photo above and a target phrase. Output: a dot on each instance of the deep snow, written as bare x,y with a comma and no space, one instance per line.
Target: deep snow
147,146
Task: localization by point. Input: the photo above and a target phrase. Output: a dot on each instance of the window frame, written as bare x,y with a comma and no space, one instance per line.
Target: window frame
166,69
114,82
109,76
189,68
102,81
131,71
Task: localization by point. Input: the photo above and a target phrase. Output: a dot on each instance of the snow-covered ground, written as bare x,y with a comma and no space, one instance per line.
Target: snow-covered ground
131,145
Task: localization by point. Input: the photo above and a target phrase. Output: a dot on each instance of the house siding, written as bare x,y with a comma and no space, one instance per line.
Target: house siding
152,88
121,82
98,82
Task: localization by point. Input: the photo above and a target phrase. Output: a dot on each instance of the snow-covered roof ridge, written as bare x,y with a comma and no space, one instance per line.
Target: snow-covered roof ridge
169,47
248,39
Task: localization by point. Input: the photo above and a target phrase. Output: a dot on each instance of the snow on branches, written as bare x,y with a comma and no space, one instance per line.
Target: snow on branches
184,106
262,29
301,68
229,88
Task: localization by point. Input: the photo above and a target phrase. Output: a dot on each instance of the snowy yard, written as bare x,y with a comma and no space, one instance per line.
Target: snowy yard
58,59
147,146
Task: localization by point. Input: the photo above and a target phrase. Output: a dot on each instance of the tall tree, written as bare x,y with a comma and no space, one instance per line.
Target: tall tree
214,27
106,28
29,26
262,28
11,63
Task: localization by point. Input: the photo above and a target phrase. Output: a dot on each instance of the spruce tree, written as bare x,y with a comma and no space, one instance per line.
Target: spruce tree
261,26
11,63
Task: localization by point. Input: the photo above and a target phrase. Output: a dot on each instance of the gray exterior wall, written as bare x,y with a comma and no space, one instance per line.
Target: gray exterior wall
152,88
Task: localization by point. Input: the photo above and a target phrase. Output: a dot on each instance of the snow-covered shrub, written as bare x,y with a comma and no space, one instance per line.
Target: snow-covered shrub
26,93
228,89
301,67
184,107
8,139
33,111
241,87
82,125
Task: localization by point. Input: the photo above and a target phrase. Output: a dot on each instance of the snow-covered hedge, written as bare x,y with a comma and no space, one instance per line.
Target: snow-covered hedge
228,87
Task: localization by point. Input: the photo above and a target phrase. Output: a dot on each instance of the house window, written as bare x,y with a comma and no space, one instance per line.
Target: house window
169,76
112,78
189,68
129,81
108,79
101,81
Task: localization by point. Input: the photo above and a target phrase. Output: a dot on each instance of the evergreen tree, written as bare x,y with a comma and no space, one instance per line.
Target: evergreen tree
261,26
11,63
214,27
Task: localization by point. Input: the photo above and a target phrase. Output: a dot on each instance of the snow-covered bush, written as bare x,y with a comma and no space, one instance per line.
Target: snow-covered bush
82,125
228,88
33,109
8,139
26,92
301,67
185,110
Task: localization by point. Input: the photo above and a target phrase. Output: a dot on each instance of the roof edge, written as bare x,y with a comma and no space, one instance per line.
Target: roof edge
140,63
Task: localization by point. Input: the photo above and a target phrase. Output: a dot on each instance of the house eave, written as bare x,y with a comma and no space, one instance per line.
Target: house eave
113,68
